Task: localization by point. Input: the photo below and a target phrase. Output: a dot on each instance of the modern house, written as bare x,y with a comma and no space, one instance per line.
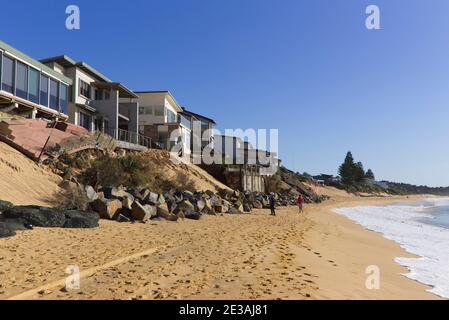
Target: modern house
98,103
160,116
30,89
202,130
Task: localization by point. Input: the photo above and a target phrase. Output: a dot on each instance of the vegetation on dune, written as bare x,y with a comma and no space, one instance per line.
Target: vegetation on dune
130,170
407,189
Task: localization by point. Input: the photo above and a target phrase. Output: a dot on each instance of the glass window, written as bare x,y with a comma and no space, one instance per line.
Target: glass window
85,121
54,95
149,110
44,91
63,98
159,111
98,94
21,80
106,95
85,89
33,85
185,121
141,110
8,75
171,116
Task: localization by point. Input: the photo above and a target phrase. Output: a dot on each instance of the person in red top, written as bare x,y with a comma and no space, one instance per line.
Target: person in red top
300,203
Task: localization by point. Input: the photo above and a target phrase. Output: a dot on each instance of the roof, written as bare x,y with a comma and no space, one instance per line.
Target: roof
62,60
196,115
86,107
124,91
222,136
165,92
35,63
67,62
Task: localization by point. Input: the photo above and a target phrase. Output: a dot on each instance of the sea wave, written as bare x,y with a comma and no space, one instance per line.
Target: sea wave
404,223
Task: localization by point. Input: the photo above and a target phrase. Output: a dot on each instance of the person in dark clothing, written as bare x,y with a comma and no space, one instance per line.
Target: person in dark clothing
272,204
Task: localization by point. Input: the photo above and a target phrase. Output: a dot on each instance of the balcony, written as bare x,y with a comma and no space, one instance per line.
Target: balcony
133,140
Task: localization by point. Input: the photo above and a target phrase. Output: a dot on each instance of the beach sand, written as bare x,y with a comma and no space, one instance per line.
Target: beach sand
318,255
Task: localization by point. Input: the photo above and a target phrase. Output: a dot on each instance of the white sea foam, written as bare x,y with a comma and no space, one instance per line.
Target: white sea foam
404,224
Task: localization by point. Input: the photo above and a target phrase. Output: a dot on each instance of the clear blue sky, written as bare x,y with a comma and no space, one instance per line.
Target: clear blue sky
309,68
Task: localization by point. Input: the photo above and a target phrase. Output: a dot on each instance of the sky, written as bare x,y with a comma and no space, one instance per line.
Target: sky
309,68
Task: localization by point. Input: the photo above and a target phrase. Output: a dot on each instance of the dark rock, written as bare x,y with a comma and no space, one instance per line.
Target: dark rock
171,205
6,231
122,218
144,193
137,194
4,205
179,197
143,212
81,219
184,206
17,224
107,191
169,197
215,201
188,194
126,212
28,226
247,207
257,204
234,210
192,215
221,209
37,216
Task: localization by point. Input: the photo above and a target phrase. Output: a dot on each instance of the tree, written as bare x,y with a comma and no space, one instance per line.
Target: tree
359,173
307,175
347,170
370,175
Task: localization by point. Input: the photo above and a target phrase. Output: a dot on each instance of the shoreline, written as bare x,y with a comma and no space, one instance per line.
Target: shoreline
372,248
318,255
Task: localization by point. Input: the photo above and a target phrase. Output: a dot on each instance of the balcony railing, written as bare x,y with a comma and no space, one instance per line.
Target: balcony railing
135,138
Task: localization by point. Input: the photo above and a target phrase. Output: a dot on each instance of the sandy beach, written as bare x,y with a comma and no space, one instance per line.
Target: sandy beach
318,255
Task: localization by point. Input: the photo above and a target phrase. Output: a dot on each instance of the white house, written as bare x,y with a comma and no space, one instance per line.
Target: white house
98,103
159,116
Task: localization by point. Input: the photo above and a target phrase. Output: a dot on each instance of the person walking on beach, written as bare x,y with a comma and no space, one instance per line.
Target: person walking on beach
300,203
272,204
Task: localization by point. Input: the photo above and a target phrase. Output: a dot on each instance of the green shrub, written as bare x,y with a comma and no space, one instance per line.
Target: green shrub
132,171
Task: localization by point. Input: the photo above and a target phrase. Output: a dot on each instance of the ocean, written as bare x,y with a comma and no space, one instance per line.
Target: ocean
421,228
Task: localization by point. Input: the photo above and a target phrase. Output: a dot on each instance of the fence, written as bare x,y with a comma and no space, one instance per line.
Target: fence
136,138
